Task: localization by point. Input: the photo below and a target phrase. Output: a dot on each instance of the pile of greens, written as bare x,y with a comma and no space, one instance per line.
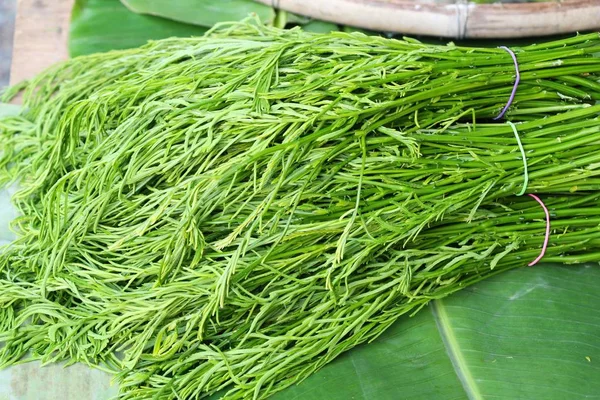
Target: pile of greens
232,212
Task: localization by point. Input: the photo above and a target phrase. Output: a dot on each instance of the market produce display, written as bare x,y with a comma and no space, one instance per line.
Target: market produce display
232,212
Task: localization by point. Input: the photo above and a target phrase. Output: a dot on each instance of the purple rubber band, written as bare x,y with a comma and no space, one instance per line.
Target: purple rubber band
514,91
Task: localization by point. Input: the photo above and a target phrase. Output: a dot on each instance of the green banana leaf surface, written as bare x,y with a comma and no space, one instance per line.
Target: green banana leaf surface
531,333
202,12
104,25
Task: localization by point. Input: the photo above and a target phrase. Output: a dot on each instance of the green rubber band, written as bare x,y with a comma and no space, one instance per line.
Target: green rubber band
525,172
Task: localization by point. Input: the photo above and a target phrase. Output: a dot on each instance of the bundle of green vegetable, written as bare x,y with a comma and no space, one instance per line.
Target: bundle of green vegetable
232,212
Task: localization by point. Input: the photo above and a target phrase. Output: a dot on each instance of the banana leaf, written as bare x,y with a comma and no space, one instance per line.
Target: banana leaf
202,12
320,27
528,334
7,110
103,25
206,13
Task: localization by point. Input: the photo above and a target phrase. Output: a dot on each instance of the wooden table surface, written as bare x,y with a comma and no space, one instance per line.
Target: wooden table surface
41,33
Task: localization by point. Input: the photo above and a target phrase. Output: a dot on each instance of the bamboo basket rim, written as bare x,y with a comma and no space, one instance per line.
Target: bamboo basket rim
460,20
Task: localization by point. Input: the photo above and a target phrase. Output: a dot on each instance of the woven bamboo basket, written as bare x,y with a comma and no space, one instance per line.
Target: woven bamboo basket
454,19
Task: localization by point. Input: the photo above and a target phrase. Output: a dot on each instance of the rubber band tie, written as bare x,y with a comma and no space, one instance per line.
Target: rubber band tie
517,80
547,238
525,169
536,198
